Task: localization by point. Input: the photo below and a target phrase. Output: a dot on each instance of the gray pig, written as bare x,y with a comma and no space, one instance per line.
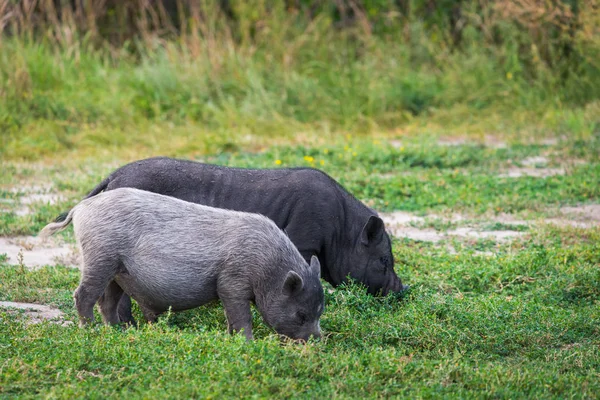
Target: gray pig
169,253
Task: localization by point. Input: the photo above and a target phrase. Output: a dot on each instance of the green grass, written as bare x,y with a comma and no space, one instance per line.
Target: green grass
521,319
512,325
298,81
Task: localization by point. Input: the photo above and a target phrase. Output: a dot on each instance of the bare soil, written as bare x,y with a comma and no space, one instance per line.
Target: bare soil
400,224
35,313
32,252
34,194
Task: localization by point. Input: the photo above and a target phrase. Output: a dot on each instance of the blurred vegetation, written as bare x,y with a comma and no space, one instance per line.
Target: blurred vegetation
278,68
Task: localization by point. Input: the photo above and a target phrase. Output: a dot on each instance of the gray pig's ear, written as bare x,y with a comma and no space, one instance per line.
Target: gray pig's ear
293,284
314,263
372,232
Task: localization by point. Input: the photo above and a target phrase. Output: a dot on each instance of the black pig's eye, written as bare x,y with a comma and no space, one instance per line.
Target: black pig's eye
302,317
385,261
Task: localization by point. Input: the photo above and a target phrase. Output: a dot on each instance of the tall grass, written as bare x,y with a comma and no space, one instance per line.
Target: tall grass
276,70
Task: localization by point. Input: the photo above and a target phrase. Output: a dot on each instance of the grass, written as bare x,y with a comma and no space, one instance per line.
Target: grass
418,176
512,325
519,320
298,82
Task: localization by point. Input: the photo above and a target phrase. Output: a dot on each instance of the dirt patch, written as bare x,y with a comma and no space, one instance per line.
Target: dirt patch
46,198
537,167
401,224
35,313
498,236
583,213
494,142
551,141
509,219
6,205
398,224
583,216
430,235
533,166
37,253
535,161
400,218
423,235
487,141
517,172
562,222
35,194
453,141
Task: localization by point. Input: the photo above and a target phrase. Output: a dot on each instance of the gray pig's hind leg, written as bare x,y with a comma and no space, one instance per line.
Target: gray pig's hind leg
86,296
95,277
109,302
238,316
125,314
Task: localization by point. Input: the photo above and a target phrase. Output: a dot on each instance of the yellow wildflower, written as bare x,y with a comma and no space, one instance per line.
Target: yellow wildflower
309,159
509,75
277,162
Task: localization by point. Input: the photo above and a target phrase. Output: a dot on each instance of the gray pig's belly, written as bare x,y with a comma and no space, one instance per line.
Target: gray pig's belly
159,296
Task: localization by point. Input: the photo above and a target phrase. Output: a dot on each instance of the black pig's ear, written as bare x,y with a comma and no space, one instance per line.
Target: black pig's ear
314,263
372,232
293,284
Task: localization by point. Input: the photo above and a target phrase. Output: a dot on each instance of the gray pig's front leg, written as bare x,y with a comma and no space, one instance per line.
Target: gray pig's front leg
238,316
